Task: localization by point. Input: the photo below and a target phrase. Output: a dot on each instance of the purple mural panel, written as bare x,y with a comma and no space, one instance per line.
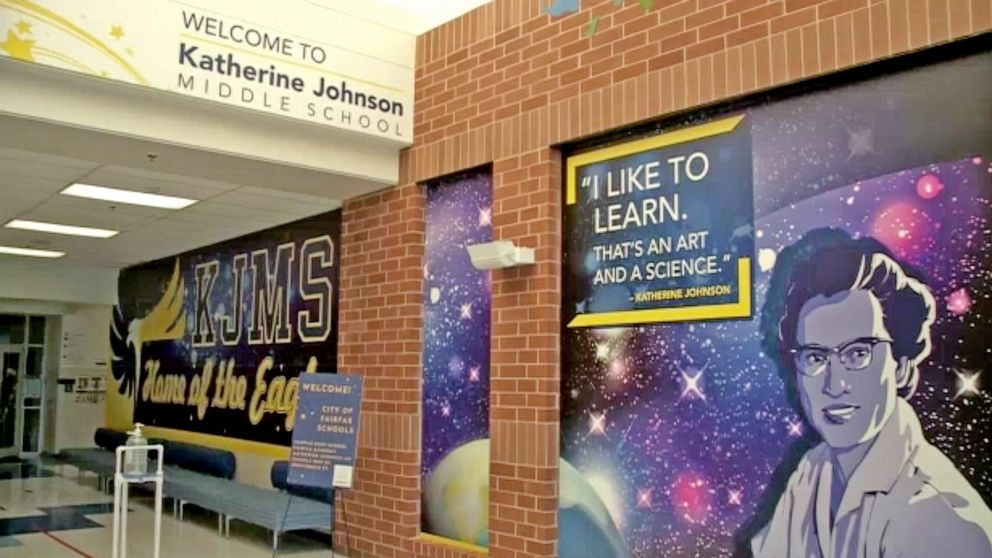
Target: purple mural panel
857,395
457,302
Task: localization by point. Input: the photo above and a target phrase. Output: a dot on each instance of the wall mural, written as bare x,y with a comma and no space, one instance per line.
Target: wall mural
457,302
855,399
212,341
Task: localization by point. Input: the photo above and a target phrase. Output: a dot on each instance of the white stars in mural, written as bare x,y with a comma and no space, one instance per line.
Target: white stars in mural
734,497
485,216
597,424
766,259
795,428
644,498
690,384
602,351
967,383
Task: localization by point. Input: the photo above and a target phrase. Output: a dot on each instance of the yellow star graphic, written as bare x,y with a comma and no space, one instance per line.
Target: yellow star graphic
23,27
117,32
17,47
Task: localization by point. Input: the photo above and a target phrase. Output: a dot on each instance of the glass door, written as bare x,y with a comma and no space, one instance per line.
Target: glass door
32,392
10,419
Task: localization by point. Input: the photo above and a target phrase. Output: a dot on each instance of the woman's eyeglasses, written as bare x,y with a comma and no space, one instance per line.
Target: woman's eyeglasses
812,360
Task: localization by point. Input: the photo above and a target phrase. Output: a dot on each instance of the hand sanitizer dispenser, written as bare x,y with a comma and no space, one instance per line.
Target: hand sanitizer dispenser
136,462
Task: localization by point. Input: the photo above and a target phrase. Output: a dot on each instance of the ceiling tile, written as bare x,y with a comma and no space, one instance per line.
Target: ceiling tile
33,184
328,202
74,204
85,217
157,183
280,205
22,163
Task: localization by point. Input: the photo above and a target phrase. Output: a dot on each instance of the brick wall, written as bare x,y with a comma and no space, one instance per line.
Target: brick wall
500,85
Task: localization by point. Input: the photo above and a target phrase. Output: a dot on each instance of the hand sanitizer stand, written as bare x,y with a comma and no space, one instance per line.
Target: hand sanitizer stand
122,483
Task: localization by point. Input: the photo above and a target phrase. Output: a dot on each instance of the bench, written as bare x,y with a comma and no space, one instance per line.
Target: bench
98,460
203,476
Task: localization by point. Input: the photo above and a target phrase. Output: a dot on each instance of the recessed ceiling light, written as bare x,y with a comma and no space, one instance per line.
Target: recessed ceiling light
15,251
60,229
127,196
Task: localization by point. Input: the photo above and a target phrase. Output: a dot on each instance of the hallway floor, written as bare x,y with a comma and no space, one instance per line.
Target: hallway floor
45,514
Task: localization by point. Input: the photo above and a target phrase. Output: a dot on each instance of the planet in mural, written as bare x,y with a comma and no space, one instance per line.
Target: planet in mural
456,505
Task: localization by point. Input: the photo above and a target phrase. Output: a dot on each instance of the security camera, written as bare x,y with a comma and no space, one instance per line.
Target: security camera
500,254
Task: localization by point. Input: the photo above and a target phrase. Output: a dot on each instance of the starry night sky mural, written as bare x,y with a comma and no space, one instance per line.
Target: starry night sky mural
457,302
680,428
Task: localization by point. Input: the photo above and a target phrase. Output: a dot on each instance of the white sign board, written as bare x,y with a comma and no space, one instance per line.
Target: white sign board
295,59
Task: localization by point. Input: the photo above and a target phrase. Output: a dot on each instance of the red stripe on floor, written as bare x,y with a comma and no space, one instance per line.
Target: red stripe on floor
65,544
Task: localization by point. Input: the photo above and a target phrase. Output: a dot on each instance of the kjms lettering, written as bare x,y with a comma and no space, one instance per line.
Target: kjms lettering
264,281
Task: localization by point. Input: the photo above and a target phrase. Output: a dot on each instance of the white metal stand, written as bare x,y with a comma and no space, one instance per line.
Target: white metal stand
122,483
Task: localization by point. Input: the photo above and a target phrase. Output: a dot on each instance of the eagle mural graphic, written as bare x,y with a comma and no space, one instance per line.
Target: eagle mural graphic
166,321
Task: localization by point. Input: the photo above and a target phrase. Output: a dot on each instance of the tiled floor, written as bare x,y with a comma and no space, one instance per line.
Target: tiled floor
43,514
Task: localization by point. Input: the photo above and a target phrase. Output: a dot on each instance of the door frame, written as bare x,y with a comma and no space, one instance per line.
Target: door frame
14,450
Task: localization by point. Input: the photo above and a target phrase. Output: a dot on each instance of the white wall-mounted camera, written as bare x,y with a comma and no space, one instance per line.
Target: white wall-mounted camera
499,254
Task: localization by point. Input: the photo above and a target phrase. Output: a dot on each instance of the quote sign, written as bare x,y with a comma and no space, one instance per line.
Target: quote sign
662,228
326,435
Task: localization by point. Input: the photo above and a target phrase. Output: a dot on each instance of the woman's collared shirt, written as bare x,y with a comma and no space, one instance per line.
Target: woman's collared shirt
905,499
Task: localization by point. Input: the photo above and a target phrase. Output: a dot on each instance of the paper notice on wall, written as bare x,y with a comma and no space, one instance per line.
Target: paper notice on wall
83,348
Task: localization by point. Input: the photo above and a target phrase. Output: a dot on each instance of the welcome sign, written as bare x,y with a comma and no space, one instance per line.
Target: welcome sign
254,55
326,436
214,341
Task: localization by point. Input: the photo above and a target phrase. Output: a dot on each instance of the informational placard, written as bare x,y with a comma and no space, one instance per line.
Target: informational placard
661,229
325,439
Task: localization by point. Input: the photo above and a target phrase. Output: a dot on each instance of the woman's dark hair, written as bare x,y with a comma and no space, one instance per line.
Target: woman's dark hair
827,261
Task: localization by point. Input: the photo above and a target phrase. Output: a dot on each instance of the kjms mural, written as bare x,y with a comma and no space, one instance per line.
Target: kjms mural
210,343
804,375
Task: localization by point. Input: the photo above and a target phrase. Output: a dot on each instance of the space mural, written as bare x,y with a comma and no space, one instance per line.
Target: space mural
739,377
457,302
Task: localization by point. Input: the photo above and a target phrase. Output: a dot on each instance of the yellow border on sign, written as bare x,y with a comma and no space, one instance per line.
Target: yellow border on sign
739,309
707,130
220,442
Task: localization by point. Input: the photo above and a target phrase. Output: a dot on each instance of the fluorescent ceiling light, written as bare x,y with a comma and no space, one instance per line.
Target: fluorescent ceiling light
127,196
14,251
60,229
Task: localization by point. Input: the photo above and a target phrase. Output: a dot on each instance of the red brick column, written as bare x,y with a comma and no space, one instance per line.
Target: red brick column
524,412
380,324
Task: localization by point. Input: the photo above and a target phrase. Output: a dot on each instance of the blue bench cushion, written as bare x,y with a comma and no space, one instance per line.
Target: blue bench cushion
90,459
201,459
109,439
280,479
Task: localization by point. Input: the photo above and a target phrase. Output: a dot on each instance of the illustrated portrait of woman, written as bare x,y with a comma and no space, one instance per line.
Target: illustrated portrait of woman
849,328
